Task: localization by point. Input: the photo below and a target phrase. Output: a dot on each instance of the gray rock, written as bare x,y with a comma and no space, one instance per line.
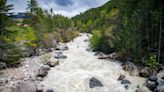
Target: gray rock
126,86
153,78
3,65
146,72
95,83
47,67
60,56
121,77
151,85
53,62
42,72
161,74
124,81
160,88
40,88
130,67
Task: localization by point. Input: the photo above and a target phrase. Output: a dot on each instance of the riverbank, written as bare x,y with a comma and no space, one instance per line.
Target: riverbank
71,68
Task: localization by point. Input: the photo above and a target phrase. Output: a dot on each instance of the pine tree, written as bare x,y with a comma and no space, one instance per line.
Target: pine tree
32,6
4,12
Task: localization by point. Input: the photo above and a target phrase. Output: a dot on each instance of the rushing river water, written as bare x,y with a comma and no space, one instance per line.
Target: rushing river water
73,73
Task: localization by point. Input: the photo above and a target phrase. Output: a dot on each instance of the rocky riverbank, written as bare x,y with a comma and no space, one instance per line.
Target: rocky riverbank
25,77
72,67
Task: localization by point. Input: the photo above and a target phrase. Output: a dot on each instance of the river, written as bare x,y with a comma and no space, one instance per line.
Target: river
74,72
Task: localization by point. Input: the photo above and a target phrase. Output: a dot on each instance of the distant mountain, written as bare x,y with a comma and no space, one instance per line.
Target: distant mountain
20,15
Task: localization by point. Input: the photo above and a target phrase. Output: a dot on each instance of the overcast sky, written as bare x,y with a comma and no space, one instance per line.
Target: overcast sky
67,8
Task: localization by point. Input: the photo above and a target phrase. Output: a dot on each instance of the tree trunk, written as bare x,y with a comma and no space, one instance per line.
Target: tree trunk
159,44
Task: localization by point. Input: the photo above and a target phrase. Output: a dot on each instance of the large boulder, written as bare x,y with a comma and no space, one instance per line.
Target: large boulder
130,67
161,74
53,62
95,83
146,72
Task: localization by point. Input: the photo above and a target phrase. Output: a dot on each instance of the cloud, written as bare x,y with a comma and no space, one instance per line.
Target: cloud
68,8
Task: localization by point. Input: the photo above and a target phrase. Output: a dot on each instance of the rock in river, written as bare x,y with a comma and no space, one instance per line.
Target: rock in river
124,81
121,77
53,62
95,83
42,72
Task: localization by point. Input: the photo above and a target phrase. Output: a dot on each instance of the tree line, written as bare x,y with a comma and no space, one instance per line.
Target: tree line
42,30
132,28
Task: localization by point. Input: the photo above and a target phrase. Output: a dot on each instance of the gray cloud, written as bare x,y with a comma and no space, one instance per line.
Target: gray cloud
66,8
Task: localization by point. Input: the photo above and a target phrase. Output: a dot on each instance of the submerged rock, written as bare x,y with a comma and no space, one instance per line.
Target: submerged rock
124,81
95,83
50,90
60,56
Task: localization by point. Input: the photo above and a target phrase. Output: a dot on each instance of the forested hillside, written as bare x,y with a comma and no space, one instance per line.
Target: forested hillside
132,28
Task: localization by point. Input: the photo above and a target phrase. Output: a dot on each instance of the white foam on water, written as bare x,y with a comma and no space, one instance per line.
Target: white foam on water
73,73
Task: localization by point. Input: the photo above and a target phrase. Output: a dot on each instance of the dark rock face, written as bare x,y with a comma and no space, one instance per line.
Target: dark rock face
95,83
3,65
121,77
124,81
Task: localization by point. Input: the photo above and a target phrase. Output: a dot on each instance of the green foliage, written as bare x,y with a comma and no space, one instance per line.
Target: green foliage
101,42
152,61
131,27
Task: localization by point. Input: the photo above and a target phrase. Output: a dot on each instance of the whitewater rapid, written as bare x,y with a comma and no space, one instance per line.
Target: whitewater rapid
73,73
